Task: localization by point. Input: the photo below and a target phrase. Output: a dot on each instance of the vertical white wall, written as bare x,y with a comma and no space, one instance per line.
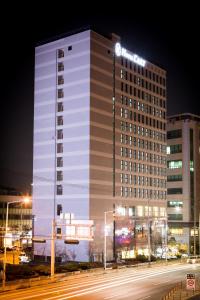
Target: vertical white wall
75,141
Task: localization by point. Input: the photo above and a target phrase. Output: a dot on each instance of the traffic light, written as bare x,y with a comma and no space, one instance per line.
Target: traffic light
74,242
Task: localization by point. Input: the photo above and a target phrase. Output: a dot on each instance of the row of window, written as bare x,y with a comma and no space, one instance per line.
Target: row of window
143,71
173,191
143,96
129,89
177,177
142,193
142,168
174,134
142,180
151,110
140,118
141,155
142,83
60,108
175,203
172,149
174,164
156,135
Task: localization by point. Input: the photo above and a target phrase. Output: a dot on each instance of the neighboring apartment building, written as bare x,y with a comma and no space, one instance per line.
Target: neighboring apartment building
183,178
99,143
19,216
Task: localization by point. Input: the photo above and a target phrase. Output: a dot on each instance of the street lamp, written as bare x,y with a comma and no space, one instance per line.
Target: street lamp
105,234
25,200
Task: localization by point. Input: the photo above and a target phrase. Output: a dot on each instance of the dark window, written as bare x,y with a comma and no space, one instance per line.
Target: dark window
60,79
61,53
69,48
60,66
59,162
60,106
172,191
59,148
175,217
60,120
59,175
60,93
59,209
59,189
59,134
175,149
59,230
174,134
174,177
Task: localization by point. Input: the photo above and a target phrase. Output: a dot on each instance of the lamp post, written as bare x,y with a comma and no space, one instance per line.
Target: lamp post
25,200
148,237
105,234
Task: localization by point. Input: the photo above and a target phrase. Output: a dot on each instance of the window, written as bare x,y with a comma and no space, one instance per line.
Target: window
59,209
59,162
60,120
60,93
58,230
174,177
174,134
175,203
60,107
60,79
59,175
174,164
59,189
175,149
172,191
178,217
60,66
69,48
59,148
61,53
59,134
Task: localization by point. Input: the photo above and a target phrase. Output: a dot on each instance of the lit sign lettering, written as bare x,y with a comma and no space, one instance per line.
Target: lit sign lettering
119,51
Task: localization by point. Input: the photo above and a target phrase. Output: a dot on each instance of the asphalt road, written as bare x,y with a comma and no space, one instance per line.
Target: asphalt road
128,284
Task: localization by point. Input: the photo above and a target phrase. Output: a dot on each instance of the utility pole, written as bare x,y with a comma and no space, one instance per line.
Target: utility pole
53,249
149,238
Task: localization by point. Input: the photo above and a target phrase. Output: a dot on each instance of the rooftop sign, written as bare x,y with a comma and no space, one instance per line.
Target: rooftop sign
120,51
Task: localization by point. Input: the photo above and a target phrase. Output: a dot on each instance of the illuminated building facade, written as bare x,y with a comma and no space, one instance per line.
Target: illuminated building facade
183,178
99,140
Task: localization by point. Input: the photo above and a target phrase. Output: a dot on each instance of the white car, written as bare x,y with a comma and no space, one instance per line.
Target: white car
24,258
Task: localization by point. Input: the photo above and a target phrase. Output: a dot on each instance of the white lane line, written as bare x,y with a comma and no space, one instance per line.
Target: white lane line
100,288
161,282
145,298
113,296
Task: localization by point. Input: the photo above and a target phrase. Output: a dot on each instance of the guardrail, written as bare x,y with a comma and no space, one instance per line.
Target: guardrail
179,292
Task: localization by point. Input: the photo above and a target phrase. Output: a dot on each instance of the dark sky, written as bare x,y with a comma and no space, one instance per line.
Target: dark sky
168,38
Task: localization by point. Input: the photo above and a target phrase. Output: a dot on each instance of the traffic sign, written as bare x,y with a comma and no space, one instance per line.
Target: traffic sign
190,282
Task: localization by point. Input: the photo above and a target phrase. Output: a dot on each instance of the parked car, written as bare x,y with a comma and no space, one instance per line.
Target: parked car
23,258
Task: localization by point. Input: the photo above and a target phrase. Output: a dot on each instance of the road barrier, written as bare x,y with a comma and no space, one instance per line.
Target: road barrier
180,292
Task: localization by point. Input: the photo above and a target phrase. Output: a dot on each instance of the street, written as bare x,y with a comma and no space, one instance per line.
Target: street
138,284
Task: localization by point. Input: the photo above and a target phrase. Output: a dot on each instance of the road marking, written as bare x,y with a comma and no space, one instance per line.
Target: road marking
114,295
131,278
145,298
161,282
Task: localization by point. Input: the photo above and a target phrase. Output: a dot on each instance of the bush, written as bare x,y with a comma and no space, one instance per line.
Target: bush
141,258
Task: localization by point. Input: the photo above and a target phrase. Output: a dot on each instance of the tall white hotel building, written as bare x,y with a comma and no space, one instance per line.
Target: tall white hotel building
99,143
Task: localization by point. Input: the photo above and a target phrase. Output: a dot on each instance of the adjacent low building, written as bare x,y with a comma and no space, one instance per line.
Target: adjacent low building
19,217
183,179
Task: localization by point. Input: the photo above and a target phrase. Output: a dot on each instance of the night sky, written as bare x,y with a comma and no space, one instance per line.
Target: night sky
167,38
